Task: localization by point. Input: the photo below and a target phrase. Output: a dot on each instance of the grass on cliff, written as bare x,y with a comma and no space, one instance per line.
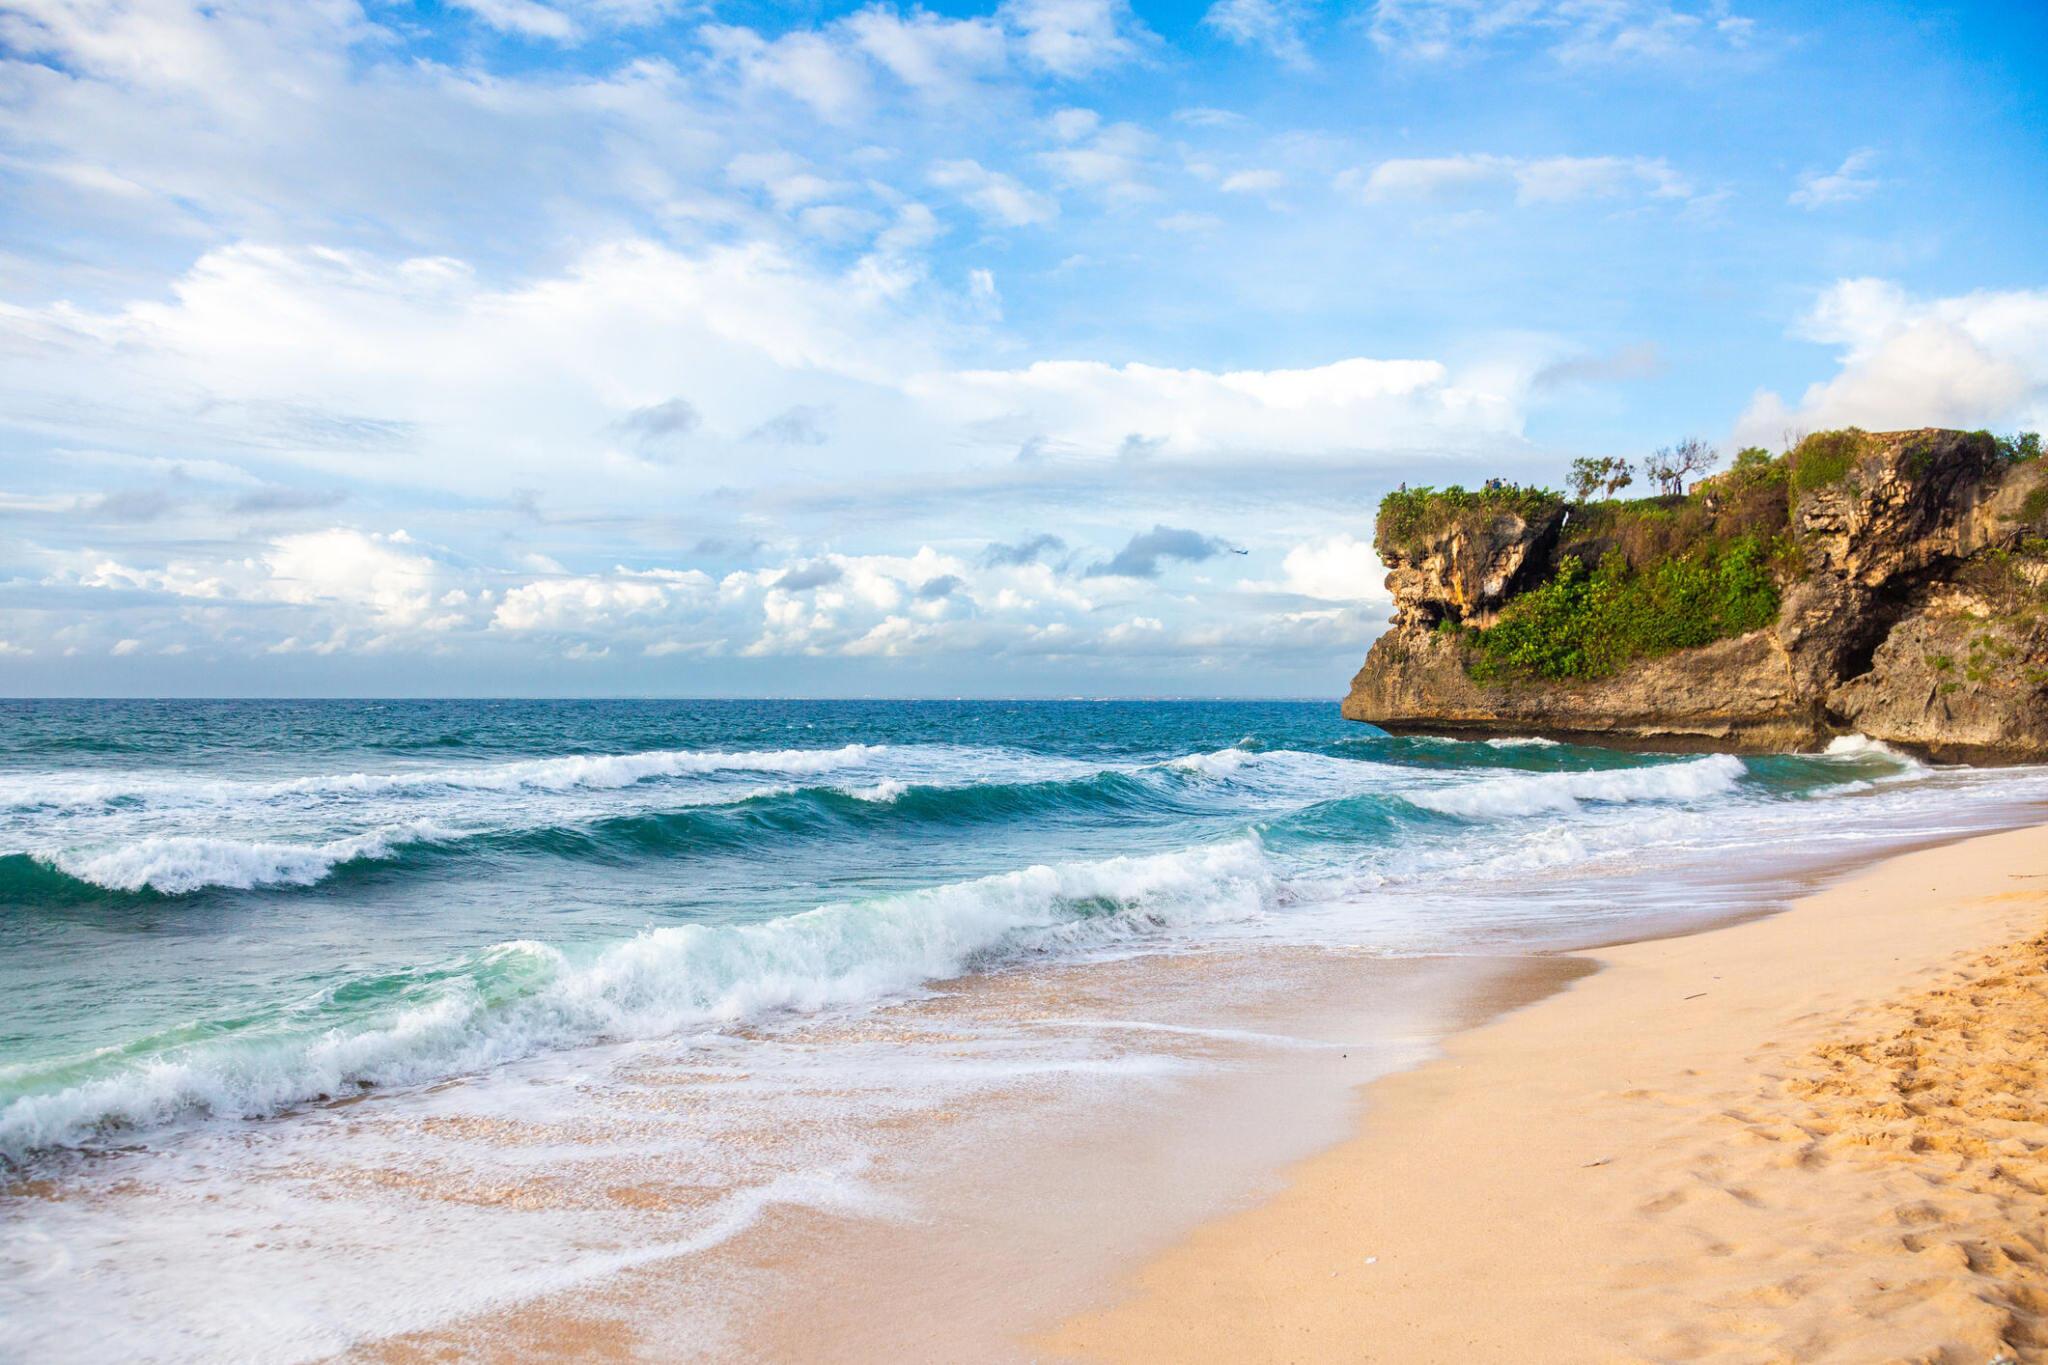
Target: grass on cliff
1751,499
1414,514
1592,624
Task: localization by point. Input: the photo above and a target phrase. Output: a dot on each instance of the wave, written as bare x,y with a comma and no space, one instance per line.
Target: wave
765,818
1563,793
728,817
595,772
1857,748
1222,763
175,865
520,998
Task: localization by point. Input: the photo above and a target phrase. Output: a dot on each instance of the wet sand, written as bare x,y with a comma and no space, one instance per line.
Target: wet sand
1820,1136
1017,1208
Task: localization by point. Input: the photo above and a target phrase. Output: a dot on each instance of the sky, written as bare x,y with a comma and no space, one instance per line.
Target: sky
1040,348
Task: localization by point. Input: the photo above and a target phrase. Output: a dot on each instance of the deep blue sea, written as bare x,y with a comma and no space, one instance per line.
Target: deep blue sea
321,1021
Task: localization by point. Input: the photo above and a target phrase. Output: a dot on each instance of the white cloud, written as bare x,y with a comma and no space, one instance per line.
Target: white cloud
995,196
373,576
1579,31
1272,25
565,20
1111,163
418,372
1972,360
786,179
1071,125
1096,409
1204,117
1535,180
813,68
1253,182
937,57
528,18
1073,38
1335,568
588,604
1844,185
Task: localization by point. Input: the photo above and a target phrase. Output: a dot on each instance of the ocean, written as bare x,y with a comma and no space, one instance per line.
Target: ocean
287,988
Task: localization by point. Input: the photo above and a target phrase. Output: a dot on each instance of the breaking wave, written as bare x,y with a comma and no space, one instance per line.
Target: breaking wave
520,998
1562,793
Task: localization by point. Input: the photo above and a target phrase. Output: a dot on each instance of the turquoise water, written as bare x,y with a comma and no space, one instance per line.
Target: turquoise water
213,912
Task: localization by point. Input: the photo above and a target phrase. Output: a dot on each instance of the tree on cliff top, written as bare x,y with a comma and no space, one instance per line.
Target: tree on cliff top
1670,467
1607,475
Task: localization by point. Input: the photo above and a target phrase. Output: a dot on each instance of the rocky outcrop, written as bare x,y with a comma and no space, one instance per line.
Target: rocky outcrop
1914,610
1468,571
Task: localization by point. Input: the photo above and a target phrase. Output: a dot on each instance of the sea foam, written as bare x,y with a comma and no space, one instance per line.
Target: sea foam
523,997
178,864
1556,793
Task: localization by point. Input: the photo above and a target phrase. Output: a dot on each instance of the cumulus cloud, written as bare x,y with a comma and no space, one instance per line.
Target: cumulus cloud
591,604
379,577
489,384
1335,568
437,282
1970,360
816,574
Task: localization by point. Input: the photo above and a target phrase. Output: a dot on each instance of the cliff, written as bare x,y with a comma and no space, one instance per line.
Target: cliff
1894,584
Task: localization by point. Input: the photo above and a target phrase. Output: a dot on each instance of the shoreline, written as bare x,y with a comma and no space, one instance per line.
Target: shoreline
1845,1159
962,1261
973,1224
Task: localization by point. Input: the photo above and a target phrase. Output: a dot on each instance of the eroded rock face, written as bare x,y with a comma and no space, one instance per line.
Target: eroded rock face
1732,694
1468,571
1958,678
1920,618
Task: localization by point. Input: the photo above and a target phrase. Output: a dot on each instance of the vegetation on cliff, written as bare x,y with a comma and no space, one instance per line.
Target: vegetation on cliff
1893,584
1410,515
1633,578
1591,624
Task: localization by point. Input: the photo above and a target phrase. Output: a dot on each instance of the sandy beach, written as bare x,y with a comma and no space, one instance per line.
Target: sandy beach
1815,1136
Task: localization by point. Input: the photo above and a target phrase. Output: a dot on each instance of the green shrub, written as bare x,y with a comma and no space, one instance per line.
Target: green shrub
1585,624
1748,500
2020,447
1825,458
1411,514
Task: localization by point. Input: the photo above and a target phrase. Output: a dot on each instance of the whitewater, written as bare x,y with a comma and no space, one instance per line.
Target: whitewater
221,921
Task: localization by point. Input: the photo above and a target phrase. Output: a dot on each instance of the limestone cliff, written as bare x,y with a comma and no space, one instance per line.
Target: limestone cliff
1909,572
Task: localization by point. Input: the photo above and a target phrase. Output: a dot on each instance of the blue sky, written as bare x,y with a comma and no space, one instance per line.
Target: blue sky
1050,347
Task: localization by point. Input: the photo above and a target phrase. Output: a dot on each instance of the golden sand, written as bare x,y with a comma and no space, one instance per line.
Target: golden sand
1816,1137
